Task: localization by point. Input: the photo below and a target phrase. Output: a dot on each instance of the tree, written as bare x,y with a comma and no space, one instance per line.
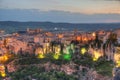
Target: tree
97,43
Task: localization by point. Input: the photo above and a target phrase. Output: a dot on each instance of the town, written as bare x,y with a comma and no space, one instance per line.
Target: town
61,51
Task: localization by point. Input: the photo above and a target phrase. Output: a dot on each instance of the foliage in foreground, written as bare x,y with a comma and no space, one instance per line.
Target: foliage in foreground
33,72
102,66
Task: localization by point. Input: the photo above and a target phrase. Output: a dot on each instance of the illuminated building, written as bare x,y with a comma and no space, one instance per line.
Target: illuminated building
93,34
39,51
78,38
57,50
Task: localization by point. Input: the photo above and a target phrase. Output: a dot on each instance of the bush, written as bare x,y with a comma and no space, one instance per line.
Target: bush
36,73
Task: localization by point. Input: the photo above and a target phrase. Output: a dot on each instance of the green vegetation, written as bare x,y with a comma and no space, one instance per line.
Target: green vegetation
104,68
29,68
84,60
101,66
33,72
32,59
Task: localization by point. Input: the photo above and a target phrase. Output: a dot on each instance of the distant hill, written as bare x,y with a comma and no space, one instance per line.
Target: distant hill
13,26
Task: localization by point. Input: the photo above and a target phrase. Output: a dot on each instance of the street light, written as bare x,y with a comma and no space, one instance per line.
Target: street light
56,56
41,56
2,71
83,50
3,74
96,56
67,56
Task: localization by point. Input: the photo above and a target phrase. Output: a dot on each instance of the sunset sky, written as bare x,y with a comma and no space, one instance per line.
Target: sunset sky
88,7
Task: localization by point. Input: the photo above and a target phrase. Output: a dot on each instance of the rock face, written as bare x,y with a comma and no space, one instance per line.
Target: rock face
11,67
90,74
67,69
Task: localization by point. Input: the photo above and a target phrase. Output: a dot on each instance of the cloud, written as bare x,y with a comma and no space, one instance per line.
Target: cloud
114,0
55,16
111,0
1,2
80,6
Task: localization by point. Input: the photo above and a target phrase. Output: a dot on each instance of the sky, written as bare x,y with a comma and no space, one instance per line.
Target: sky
89,8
